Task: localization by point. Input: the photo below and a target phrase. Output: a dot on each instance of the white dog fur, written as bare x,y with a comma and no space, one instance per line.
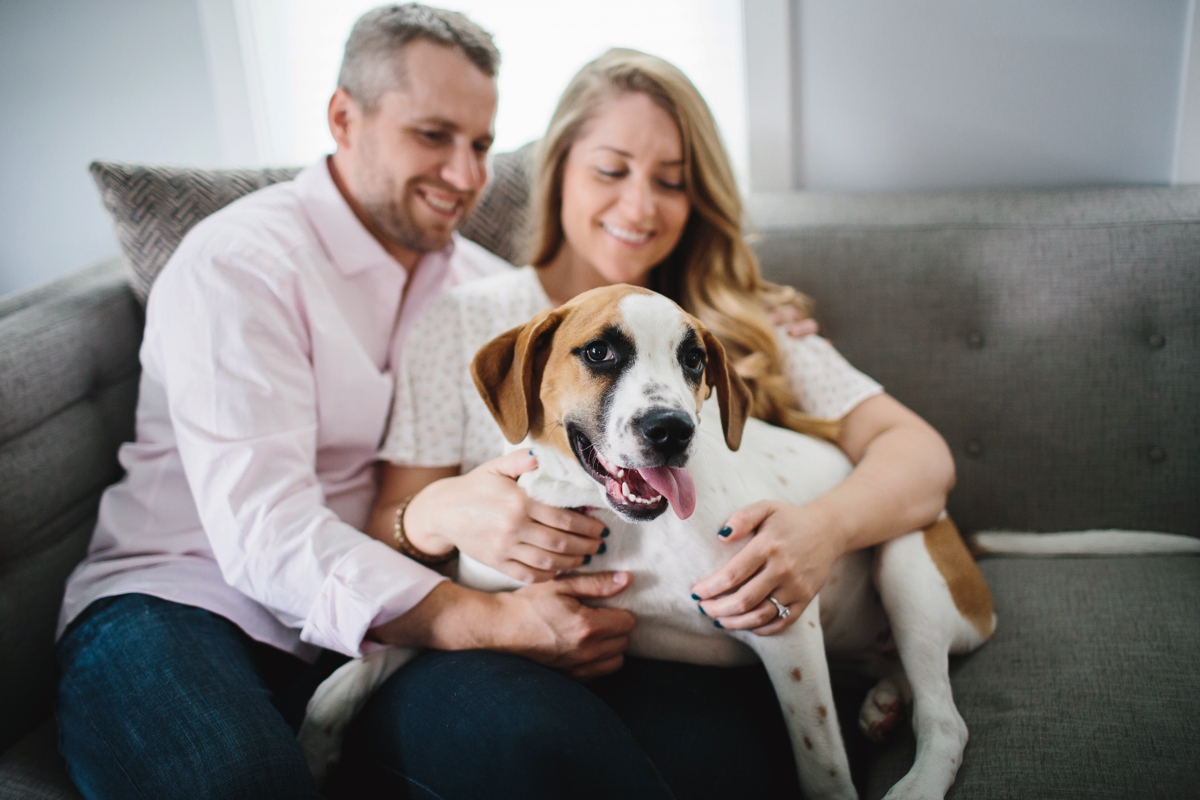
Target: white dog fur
916,597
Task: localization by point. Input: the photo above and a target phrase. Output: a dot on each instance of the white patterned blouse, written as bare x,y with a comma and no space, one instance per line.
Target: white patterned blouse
439,420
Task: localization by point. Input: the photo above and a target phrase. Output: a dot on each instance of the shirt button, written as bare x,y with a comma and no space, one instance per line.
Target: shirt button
974,340
1157,455
974,448
1157,340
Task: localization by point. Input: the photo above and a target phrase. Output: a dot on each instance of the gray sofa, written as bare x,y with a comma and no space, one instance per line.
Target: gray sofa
1053,337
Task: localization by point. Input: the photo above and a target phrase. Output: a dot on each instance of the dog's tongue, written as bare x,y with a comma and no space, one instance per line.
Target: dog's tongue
675,485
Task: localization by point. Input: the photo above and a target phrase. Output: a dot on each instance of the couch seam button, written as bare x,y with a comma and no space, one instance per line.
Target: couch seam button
1157,454
1157,341
975,340
974,448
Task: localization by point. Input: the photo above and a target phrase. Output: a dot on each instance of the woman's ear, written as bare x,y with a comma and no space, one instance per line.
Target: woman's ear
732,393
503,371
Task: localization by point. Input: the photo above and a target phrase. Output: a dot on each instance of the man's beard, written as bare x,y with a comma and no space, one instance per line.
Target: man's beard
394,220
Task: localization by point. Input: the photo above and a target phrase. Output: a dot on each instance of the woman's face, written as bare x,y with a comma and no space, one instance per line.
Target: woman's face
623,202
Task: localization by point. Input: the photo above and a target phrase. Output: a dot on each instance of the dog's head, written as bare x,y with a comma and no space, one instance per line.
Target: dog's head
615,378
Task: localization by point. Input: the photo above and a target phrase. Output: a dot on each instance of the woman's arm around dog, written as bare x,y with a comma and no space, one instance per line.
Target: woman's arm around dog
902,475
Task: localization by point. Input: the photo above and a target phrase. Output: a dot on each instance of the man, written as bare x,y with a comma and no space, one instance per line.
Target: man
231,557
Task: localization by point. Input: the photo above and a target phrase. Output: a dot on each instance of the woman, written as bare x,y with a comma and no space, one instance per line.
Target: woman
634,187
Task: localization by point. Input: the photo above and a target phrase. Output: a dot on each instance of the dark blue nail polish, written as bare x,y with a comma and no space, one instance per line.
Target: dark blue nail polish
603,547
587,559
695,596
530,452
604,533
702,611
725,531
717,622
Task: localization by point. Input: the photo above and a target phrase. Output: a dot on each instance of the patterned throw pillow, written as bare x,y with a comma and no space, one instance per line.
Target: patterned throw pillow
154,207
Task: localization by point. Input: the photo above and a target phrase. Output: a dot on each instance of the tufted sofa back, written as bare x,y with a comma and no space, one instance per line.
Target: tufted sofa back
1052,336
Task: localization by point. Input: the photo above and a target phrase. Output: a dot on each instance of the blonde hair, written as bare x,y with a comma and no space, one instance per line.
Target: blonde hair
712,272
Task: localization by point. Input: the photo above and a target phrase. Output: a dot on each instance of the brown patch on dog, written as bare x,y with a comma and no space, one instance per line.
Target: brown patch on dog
808,742
968,588
795,673
791,710
783,480
823,711
833,773
812,624
509,371
732,392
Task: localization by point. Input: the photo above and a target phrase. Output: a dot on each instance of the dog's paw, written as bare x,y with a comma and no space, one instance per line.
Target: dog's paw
882,710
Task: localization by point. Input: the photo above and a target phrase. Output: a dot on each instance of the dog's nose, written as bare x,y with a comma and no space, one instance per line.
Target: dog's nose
666,430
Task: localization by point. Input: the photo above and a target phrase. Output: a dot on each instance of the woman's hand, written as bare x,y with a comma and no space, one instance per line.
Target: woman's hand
789,558
903,472
487,516
544,622
794,318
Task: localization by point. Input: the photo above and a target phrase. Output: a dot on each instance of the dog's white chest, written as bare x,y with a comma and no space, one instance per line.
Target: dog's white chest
668,556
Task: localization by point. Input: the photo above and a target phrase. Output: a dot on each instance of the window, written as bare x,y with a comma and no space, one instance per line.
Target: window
291,50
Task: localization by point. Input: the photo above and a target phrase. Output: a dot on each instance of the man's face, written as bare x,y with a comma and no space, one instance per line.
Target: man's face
417,163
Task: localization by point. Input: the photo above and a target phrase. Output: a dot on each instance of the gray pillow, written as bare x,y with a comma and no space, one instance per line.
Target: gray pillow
154,207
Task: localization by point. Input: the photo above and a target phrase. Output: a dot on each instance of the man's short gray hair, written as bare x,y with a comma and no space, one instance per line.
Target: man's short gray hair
371,64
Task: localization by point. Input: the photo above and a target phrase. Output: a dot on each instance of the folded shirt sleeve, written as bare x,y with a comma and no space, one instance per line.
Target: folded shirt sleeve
241,391
825,383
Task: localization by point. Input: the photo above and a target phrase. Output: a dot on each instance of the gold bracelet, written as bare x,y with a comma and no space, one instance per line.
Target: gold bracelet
408,548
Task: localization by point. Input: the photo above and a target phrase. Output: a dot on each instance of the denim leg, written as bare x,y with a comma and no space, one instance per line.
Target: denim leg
712,732
162,700
488,725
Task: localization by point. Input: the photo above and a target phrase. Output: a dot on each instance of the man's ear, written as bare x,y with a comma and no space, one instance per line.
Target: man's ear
732,393
503,371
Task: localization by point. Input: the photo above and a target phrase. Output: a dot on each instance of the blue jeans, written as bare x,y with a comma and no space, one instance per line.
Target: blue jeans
162,700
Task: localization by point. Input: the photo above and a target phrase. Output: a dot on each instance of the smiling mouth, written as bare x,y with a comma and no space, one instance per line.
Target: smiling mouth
628,491
626,235
443,205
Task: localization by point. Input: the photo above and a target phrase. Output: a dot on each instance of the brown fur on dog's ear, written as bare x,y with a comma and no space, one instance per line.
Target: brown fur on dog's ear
732,393
503,373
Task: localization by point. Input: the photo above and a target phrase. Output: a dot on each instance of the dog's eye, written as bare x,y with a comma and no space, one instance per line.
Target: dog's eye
694,360
597,352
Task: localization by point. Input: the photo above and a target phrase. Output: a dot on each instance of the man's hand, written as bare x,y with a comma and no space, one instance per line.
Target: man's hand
547,623
487,516
544,622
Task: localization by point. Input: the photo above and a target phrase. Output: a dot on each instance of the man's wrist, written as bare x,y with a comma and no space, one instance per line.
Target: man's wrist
450,617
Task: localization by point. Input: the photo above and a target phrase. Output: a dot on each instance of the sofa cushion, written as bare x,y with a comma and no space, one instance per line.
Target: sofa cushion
1050,335
32,769
153,207
68,385
1090,688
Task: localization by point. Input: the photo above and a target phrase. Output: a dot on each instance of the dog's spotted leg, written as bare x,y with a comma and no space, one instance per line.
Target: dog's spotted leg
926,593
796,663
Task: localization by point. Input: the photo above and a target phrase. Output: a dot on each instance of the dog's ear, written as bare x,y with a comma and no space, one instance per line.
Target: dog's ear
503,371
732,393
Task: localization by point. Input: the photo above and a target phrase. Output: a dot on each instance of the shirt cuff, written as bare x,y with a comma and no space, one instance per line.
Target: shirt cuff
370,585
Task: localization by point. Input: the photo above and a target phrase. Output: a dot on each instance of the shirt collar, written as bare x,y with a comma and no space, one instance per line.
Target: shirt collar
349,244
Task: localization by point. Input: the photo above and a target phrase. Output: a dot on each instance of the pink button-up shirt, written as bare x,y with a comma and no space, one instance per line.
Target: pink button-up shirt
265,391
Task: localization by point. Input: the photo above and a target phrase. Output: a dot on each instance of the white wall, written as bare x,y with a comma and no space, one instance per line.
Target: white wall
83,80
935,94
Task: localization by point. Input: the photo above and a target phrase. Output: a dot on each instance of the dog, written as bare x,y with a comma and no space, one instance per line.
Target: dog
632,410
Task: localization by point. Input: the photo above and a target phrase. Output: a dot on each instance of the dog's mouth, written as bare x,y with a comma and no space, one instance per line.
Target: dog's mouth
643,493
